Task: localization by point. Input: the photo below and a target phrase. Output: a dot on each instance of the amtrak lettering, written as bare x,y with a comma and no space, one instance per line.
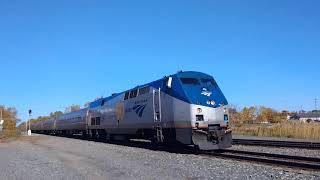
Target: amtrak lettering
143,101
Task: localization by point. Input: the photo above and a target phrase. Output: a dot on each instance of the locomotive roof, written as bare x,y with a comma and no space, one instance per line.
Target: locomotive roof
156,83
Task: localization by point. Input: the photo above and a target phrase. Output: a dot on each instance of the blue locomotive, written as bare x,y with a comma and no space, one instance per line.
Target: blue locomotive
186,107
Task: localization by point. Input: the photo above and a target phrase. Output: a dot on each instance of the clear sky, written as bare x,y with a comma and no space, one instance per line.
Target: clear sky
56,53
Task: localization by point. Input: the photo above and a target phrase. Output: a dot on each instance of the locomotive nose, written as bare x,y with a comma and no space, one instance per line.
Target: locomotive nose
211,115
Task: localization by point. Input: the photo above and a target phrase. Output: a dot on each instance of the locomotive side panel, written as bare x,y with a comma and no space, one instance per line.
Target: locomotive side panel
182,121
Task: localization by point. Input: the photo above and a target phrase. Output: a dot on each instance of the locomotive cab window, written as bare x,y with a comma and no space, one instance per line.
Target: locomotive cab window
126,96
144,90
191,81
133,93
209,82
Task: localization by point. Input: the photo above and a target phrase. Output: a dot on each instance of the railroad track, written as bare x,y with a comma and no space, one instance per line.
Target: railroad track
306,163
292,144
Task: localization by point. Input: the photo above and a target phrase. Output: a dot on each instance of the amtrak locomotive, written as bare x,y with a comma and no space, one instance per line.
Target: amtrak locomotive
186,107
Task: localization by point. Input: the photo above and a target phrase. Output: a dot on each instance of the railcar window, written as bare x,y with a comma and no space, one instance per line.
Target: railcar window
126,96
133,93
93,121
144,90
97,120
192,81
209,82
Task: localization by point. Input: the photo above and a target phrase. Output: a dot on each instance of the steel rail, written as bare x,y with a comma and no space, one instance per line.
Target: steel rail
309,163
293,144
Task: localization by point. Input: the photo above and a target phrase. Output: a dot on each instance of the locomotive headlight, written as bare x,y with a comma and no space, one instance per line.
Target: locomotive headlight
199,110
211,102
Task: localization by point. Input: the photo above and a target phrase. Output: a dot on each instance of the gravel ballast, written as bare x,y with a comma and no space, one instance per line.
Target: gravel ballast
48,157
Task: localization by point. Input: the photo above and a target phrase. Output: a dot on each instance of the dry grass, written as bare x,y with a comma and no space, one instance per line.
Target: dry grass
6,134
287,129
32,139
15,135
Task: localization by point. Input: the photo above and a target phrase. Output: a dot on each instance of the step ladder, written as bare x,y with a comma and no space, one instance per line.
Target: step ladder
88,118
156,94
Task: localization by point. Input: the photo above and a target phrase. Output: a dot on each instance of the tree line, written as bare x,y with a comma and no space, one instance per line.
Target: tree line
257,114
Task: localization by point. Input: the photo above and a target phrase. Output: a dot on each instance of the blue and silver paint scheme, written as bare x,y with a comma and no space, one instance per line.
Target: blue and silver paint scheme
192,110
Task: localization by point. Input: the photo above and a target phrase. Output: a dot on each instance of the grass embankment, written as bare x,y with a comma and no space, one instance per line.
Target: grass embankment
297,130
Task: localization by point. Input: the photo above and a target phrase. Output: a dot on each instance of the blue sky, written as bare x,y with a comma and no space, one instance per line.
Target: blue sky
57,53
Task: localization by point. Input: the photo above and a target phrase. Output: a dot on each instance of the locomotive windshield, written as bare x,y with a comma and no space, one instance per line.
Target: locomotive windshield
204,81
200,89
192,81
209,82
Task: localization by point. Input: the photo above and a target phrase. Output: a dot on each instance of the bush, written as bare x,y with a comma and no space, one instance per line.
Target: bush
10,120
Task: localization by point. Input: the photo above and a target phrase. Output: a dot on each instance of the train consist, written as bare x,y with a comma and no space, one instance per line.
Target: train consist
186,107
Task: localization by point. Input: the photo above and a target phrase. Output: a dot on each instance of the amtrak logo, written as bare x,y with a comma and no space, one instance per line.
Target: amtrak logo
206,92
139,109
